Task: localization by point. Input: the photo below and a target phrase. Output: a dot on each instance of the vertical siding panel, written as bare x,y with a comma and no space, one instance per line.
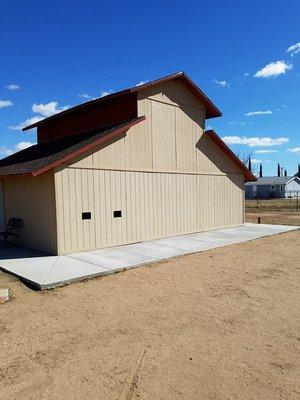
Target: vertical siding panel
97,209
32,200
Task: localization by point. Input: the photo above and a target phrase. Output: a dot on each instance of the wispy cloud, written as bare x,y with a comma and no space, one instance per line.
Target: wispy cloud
255,141
294,49
5,103
28,121
142,83
106,92
47,109
273,69
255,161
85,96
221,83
265,151
295,150
13,86
251,113
43,110
5,151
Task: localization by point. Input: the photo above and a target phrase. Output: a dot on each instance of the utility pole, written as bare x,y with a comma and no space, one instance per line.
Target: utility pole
260,170
278,169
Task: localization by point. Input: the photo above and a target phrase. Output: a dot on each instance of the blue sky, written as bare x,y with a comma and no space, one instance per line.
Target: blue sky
58,54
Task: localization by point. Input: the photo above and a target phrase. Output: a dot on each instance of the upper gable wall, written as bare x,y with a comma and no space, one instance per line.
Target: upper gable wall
170,139
172,92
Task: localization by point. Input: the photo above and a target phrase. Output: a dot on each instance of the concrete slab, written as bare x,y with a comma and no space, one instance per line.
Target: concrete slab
32,269
71,270
46,271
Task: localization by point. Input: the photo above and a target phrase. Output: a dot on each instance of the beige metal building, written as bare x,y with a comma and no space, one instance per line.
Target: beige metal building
131,166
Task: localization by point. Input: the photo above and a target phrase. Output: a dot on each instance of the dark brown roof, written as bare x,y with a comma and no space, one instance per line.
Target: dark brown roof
41,157
211,110
249,177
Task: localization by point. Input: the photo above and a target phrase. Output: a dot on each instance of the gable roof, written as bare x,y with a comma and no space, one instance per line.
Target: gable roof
249,177
41,157
274,180
211,110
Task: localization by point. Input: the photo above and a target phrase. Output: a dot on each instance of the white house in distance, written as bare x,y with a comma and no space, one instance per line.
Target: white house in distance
273,187
131,166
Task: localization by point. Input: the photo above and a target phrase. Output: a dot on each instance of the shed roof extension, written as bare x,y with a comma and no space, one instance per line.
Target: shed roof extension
41,157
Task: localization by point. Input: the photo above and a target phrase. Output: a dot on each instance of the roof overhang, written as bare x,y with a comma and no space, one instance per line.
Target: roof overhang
249,177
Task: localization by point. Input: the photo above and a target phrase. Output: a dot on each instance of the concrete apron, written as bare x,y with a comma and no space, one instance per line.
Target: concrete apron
45,272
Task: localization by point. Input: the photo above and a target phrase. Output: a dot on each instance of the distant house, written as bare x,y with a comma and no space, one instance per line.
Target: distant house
273,187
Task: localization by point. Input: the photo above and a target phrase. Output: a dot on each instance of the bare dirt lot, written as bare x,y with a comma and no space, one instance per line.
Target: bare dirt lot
273,211
222,324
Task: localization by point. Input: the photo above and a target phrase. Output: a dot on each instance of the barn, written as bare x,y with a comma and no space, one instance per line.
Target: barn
131,166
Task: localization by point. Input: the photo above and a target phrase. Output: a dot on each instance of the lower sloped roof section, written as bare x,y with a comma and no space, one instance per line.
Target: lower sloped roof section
41,157
249,177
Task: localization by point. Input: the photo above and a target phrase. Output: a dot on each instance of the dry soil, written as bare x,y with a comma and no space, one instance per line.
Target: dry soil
222,324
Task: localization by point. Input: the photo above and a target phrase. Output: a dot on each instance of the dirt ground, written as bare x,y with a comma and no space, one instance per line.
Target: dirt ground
274,217
273,211
274,204
222,324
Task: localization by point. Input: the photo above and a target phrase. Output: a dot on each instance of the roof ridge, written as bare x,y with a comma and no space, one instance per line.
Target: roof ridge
211,110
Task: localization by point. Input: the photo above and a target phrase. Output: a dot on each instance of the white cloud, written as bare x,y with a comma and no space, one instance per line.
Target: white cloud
255,161
5,151
85,96
12,86
221,83
294,49
44,110
265,151
295,150
255,141
23,145
47,109
251,113
5,103
28,121
141,83
273,69
106,92
246,74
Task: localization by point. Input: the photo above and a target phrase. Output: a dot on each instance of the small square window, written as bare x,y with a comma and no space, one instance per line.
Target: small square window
86,215
273,187
117,214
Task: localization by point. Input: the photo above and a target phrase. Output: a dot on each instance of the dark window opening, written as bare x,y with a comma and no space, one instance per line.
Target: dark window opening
118,214
86,215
